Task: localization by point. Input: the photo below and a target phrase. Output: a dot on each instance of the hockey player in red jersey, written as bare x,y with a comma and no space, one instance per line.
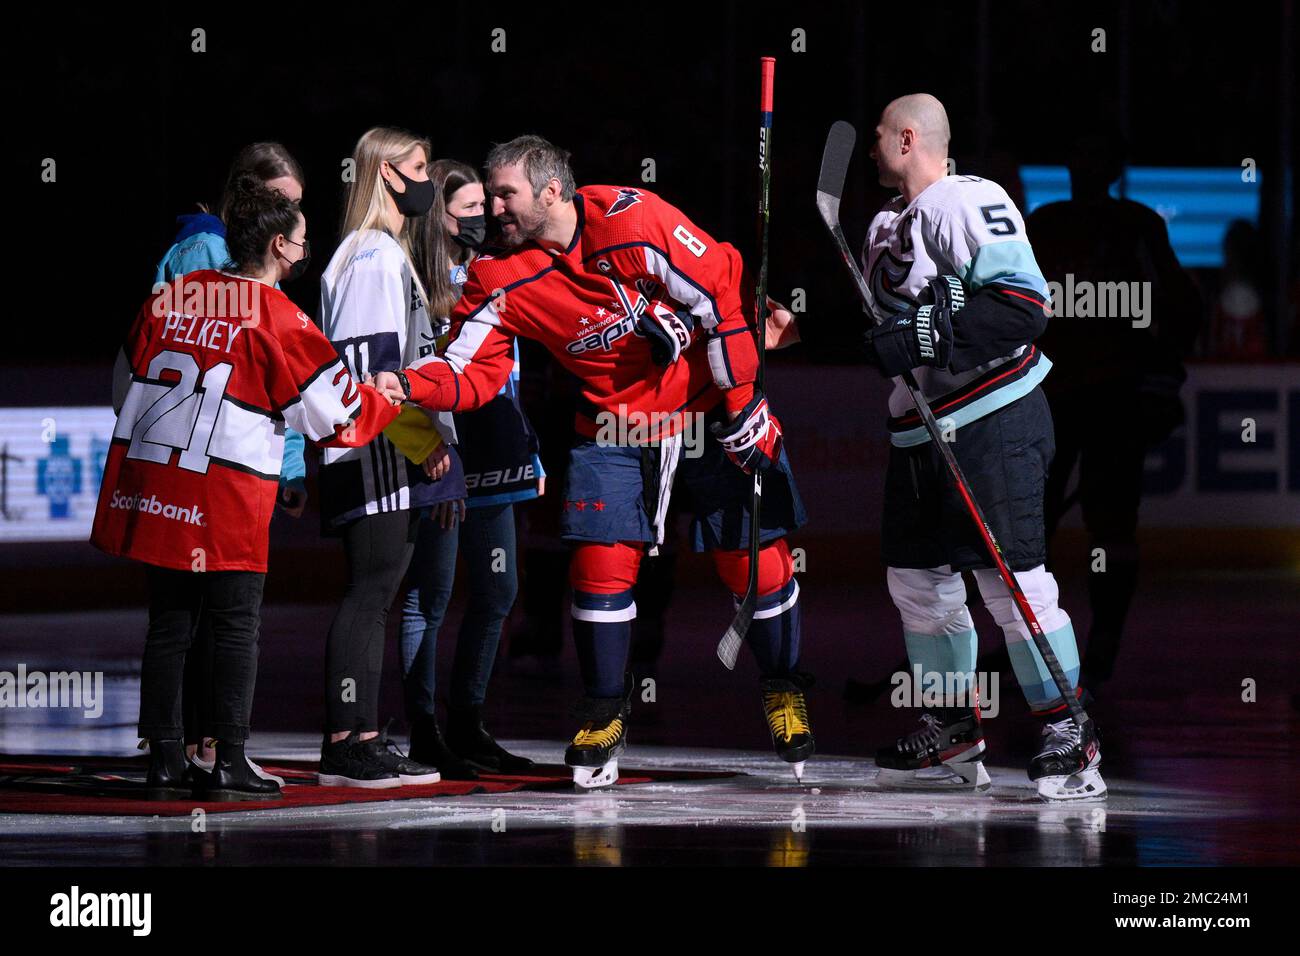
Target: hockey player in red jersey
621,287
217,364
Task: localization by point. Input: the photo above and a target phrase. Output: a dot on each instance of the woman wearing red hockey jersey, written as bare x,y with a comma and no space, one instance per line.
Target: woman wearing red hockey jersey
201,244
219,363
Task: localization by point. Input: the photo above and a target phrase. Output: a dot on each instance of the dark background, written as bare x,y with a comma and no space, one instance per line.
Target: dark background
143,128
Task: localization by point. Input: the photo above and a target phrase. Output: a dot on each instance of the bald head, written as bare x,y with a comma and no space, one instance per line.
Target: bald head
911,145
925,116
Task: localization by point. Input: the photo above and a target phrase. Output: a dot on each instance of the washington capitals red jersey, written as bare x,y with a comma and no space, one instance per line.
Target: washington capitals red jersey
631,252
218,365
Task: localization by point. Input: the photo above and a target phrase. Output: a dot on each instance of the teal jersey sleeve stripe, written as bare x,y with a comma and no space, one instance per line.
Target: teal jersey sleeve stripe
1010,263
293,467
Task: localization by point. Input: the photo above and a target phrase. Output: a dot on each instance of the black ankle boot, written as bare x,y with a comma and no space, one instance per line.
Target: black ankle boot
167,778
467,736
428,747
233,779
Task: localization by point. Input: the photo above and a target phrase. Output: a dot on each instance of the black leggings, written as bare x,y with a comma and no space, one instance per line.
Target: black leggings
378,549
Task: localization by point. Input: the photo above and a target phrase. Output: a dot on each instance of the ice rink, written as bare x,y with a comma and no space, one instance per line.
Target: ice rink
1197,776
762,816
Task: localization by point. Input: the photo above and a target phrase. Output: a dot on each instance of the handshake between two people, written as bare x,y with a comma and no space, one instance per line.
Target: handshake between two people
389,385
438,464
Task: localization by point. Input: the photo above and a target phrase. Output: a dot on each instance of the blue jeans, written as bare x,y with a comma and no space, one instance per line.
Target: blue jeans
486,540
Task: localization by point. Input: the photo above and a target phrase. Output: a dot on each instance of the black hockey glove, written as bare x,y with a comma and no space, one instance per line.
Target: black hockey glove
920,336
668,332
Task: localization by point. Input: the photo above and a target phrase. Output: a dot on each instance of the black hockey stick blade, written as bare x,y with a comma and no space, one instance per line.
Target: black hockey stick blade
830,188
835,169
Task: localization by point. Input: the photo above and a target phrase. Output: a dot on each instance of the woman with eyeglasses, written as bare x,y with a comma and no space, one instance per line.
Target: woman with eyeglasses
214,366
201,244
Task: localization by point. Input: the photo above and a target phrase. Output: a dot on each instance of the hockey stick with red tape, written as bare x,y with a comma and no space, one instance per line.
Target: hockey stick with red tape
729,646
830,189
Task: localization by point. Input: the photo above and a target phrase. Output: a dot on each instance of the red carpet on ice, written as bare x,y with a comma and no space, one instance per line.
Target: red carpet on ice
105,786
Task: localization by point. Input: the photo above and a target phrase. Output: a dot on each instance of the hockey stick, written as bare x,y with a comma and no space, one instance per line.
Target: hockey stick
830,189
729,646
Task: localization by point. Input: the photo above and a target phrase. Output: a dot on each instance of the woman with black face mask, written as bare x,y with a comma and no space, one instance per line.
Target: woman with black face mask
201,244
200,422
374,308
499,451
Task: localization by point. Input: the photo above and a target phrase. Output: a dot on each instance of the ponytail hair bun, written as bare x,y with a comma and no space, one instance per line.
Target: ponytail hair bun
255,214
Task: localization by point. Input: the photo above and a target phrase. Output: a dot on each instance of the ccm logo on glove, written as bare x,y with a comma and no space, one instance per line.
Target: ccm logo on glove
753,440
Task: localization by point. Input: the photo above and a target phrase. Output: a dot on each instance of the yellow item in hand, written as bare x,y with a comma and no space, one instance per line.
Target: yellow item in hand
414,434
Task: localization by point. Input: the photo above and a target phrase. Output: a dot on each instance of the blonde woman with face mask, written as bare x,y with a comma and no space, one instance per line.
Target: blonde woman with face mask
374,308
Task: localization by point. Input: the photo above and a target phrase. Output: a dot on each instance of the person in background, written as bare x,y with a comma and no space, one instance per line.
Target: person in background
1114,389
549,395
202,389
374,308
500,454
1239,326
201,244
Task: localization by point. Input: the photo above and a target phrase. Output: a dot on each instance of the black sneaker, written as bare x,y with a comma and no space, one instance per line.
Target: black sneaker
383,752
347,763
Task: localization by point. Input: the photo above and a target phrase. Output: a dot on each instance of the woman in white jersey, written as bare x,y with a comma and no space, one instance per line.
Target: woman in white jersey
374,309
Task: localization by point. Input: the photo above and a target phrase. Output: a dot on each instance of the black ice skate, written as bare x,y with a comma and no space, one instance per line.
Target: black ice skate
786,710
1066,766
942,755
594,753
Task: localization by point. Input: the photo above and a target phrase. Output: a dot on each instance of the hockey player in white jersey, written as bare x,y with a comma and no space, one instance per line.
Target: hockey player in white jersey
957,297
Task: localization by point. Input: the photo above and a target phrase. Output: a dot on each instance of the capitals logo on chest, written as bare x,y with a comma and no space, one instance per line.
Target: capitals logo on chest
623,318
610,325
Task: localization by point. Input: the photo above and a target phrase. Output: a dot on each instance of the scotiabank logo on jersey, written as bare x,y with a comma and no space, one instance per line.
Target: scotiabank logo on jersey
151,505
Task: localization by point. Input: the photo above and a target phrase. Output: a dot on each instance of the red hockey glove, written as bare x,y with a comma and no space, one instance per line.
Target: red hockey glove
753,439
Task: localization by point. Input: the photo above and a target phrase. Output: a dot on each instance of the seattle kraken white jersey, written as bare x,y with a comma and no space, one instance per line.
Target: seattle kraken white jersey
963,226
372,310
